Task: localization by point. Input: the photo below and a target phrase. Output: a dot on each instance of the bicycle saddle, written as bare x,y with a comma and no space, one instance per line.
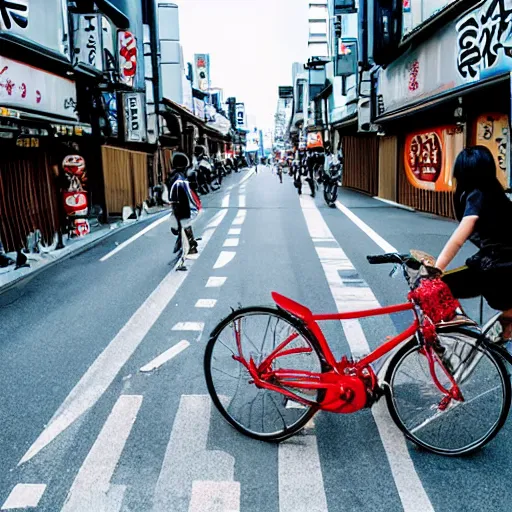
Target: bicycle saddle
292,307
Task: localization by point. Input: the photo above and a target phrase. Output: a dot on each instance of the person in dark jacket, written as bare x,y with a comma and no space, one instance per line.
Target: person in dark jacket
180,201
483,211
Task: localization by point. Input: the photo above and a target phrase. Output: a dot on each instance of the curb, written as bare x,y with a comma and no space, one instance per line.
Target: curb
396,205
72,253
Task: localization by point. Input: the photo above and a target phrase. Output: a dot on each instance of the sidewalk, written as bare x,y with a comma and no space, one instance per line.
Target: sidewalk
9,276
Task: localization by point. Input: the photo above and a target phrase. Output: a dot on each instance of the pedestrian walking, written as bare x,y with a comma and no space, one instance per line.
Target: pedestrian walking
185,206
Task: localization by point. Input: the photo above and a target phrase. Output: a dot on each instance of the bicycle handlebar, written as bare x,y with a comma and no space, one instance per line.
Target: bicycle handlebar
380,259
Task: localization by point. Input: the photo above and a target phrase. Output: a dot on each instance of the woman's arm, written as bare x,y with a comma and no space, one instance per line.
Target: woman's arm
457,240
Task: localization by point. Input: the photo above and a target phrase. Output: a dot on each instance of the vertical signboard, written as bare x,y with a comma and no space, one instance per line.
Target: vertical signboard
240,116
127,54
87,39
202,67
134,117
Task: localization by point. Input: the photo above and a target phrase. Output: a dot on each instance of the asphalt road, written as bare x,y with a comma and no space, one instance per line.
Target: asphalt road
86,425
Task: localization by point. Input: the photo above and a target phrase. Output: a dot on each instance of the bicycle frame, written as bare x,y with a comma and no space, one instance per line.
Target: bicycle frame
347,383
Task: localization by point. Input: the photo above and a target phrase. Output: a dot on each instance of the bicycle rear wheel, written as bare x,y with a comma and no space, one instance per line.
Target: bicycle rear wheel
256,412
463,427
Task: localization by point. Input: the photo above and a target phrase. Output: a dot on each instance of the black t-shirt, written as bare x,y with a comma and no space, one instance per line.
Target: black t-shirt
494,217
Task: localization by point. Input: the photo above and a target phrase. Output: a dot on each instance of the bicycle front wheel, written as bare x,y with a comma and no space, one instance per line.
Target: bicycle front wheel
256,412
464,426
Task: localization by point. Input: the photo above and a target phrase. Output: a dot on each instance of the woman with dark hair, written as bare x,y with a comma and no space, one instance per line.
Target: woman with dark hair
484,213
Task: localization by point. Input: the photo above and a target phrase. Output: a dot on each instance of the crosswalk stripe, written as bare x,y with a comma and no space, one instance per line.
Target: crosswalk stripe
215,497
103,371
187,444
24,496
225,201
92,489
301,490
410,489
166,356
215,282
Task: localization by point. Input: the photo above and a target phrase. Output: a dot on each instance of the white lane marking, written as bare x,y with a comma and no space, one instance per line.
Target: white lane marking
206,303
188,326
243,180
142,232
92,489
231,242
217,219
241,201
225,201
166,356
240,218
215,497
234,231
410,489
24,496
224,258
103,371
383,244
299,489
215,282
187,460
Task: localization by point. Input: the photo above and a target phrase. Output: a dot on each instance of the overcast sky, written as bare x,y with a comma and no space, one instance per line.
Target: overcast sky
252,45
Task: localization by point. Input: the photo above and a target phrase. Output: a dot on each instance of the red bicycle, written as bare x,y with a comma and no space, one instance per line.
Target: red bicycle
269,370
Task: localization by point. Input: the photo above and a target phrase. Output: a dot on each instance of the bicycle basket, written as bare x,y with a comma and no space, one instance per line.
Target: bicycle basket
435,299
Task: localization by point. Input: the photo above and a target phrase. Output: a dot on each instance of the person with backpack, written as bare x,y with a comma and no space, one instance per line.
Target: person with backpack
185,204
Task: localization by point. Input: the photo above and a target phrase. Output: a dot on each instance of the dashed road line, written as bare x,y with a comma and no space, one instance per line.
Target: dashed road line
215,282
241,201
188,326
234,231
206,303
231,242
166,356
225,201
224,258
240,218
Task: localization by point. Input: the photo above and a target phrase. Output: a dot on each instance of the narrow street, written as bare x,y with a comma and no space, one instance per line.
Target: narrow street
95,420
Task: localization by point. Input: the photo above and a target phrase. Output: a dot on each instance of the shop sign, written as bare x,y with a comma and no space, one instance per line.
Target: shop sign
240,116
87,39
474,47
23,86
429,157
134,117
27,142
314,140
44,22
127,54
9,112
202,65
491,130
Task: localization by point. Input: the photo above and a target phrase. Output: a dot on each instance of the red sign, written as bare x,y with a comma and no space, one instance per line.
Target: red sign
127,57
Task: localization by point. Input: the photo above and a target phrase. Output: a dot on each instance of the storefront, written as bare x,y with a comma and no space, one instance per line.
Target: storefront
38,128
445,94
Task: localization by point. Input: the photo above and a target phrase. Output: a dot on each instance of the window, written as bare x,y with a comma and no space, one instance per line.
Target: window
318,28
317,12
417,12
300,98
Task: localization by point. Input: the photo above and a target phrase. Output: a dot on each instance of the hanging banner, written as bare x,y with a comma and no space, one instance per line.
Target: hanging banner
491,130
134,118
429,157
127,54
24,86
87,38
